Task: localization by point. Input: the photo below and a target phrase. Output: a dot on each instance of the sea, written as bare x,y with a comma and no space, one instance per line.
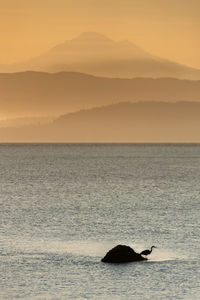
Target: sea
63,206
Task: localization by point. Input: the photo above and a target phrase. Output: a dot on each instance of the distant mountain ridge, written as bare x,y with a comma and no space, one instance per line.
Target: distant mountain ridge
122,122
94,53
44,94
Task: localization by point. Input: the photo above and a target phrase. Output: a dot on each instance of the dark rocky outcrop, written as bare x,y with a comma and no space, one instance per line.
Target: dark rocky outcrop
122,254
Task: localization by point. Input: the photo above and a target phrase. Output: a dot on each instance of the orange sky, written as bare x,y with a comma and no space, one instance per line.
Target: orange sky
169,29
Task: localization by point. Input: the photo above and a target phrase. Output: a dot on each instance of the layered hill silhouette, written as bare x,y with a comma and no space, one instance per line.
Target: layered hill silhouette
96,54
122,122
44,94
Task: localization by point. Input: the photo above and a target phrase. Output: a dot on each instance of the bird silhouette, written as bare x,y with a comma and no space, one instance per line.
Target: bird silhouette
147,252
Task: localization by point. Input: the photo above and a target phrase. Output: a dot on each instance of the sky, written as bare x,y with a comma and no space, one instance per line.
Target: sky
169,29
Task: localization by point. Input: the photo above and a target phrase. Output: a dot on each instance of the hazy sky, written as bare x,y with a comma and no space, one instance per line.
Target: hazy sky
168,28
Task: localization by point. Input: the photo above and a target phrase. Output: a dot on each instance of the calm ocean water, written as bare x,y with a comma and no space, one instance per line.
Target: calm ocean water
62,207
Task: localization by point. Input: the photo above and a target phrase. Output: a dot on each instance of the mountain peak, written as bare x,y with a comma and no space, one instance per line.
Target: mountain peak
92,36
96,54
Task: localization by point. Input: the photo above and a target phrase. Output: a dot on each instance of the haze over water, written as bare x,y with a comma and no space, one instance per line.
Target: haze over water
64,205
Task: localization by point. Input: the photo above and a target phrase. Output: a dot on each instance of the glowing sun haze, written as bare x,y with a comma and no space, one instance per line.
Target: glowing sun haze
169,29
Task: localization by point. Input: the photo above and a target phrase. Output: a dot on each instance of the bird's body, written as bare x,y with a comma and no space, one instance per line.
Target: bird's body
147,252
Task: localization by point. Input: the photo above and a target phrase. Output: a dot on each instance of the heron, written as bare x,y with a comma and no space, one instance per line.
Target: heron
147,252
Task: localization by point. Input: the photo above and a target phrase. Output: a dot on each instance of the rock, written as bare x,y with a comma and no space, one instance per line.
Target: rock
122,254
